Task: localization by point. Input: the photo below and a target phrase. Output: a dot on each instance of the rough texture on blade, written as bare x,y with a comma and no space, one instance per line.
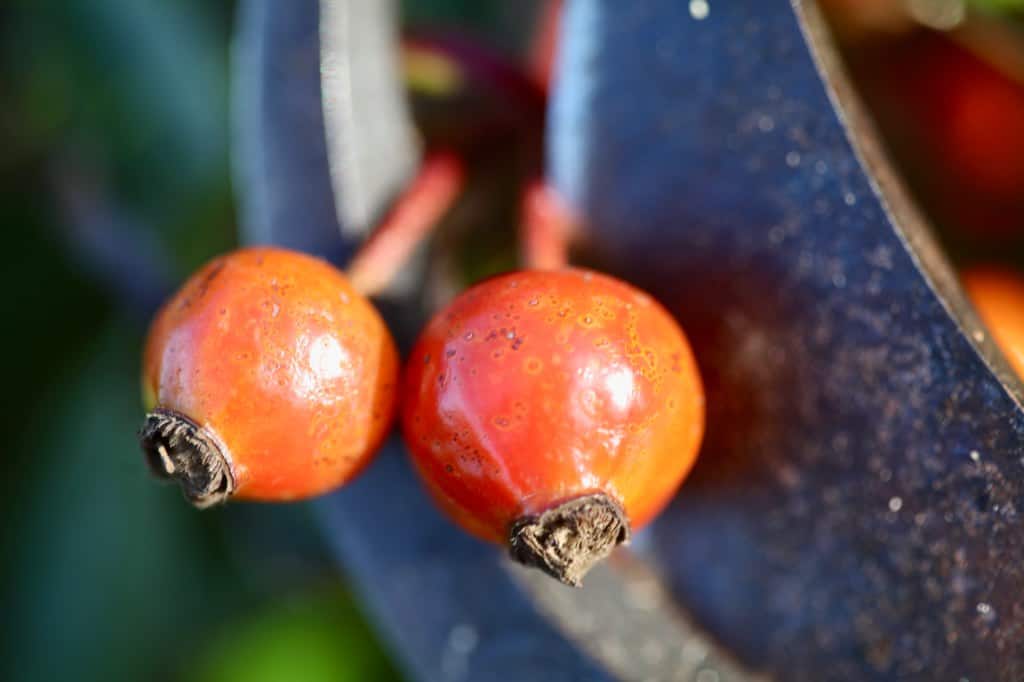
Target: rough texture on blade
855,514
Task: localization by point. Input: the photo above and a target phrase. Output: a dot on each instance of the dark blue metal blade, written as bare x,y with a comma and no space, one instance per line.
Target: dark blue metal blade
446,603
283,139
854,514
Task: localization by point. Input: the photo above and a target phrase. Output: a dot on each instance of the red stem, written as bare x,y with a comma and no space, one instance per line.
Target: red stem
547,228
544,48
412,218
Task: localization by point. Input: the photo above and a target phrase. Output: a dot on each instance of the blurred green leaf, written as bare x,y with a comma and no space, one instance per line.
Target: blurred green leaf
999,5
463,12
150,76
315,637
112,576
139,91
504,24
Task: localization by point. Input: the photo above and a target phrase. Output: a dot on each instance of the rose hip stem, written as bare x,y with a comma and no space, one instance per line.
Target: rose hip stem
414,215
546,228
544,47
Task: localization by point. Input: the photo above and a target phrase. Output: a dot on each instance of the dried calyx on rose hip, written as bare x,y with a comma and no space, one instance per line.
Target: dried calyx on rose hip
553,411
267,377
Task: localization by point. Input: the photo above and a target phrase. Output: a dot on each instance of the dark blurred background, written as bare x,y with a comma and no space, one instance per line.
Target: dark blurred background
115,184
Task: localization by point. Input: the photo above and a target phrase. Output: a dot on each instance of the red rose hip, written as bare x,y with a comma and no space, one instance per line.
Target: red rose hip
267,377
554,411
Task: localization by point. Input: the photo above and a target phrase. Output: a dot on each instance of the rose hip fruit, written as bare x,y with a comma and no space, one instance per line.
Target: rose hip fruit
555,411
267,377
998,297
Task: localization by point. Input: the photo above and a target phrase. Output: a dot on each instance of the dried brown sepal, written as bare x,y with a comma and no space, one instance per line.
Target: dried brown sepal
567,540
178,448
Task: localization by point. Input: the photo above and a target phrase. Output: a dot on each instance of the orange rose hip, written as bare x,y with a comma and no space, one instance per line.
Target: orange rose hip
267,377
998,296
553,411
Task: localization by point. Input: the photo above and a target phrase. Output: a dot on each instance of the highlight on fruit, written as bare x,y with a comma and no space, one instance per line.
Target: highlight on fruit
267,376
554,412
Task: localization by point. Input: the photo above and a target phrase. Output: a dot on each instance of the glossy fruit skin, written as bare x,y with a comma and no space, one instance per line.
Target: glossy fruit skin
277,355
998,297
536,387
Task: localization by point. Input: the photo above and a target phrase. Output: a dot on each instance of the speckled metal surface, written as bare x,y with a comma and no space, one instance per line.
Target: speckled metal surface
624,617
855,512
